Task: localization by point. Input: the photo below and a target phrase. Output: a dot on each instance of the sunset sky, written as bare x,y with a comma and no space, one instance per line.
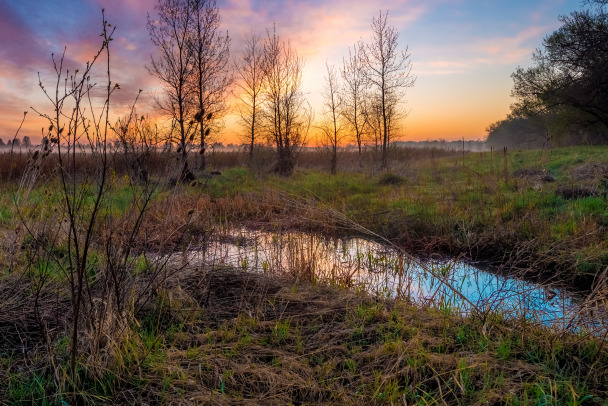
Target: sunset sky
463,51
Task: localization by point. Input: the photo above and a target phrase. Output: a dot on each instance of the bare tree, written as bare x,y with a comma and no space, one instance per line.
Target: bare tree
15,144
173,66
355,94
389,72
84,198
249,86
332,127
211,71
287,115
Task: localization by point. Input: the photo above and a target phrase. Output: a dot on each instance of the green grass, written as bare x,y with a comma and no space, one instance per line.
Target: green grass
5,213
232,181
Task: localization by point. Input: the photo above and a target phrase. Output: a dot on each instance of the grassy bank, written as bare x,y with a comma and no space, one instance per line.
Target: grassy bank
228,337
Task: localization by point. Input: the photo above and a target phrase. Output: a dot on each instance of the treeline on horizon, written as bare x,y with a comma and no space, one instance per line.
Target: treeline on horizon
25,144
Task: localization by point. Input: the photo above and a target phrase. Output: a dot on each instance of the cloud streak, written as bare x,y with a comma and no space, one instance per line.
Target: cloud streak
481,53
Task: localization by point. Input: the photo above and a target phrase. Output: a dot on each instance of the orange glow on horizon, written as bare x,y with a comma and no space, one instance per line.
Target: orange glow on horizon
418,126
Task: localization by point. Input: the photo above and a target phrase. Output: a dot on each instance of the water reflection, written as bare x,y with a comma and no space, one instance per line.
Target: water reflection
386,272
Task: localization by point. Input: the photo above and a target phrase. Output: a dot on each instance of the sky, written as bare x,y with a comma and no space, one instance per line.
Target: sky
462,52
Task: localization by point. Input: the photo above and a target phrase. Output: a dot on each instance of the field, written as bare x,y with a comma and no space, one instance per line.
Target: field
95,308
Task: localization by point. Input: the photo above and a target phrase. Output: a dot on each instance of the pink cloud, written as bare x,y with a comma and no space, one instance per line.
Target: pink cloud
509,50
317,29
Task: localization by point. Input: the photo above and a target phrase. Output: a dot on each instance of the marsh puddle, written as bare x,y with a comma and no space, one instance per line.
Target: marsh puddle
384,271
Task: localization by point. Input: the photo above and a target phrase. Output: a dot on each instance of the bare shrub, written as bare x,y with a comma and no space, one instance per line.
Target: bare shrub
83,265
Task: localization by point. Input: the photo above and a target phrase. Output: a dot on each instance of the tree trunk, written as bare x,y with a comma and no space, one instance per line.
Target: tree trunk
334,161
251,151
285,163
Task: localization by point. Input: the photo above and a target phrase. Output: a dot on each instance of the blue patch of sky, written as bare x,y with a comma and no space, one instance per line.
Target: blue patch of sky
55,19
459,21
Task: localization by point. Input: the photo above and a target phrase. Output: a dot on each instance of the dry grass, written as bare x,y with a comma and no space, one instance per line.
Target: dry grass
248,339
13,166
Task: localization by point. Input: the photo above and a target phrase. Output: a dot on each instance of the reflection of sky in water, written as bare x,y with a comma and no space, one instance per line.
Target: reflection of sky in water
384,271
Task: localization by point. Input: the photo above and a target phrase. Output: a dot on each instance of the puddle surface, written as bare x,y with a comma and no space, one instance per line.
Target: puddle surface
384,271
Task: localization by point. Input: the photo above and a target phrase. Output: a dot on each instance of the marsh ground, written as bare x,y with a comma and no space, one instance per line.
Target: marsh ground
220,336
